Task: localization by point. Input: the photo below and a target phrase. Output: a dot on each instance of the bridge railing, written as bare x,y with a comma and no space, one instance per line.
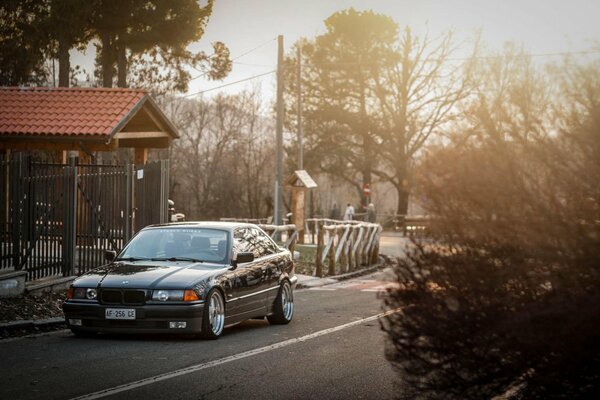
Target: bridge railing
341,246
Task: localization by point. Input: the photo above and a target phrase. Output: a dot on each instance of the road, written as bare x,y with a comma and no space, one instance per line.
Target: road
333,349
392,244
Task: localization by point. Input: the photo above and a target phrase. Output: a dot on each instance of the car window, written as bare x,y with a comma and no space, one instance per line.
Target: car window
255,241
263,243
204,244
243,242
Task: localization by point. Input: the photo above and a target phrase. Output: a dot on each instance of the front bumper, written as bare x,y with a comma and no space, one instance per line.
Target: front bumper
149,318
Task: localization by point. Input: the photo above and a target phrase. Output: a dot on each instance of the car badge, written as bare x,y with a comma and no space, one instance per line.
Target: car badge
125,282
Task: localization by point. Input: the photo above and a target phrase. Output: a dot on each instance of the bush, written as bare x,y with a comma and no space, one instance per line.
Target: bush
505,300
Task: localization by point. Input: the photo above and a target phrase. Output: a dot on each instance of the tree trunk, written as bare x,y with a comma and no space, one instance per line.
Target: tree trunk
64,64
403,194
121,65
107,59
402,185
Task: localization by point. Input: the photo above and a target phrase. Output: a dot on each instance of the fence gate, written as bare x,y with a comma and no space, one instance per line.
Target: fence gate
151,190
60,219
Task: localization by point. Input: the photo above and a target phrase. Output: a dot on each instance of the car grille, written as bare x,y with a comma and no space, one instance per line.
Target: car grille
125,297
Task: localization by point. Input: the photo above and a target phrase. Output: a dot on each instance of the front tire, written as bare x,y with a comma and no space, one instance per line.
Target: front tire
213,318
283,310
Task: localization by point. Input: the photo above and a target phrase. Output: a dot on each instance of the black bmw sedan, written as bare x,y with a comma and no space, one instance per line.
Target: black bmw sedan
192,277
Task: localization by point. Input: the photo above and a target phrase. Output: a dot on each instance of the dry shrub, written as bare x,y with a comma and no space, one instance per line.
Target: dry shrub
504,299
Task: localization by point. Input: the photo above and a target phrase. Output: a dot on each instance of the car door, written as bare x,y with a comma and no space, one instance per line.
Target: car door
272,262
247,280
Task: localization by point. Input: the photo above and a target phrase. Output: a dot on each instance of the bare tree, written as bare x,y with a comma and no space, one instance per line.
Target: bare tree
417,97
222,164
506,301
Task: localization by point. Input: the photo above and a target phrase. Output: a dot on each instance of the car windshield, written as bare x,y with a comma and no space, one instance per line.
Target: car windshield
178,244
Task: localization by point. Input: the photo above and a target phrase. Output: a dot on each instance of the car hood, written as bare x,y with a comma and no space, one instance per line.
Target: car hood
150,274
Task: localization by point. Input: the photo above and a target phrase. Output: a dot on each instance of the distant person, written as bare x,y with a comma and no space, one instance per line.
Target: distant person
335,212
371,214
349,213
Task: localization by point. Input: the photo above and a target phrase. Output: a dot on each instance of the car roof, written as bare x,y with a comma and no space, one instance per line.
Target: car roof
223,225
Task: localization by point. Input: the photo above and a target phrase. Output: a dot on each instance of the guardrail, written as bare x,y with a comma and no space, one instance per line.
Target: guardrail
290,232
343,246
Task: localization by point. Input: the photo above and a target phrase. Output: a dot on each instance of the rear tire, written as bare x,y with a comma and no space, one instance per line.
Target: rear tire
213,318
283,310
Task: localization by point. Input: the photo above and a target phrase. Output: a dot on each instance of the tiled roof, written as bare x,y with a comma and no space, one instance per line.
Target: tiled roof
80,112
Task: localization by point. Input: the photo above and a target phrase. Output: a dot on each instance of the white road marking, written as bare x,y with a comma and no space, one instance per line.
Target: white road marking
169,375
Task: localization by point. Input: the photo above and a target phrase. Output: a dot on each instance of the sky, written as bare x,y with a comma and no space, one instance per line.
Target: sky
251,26
540,26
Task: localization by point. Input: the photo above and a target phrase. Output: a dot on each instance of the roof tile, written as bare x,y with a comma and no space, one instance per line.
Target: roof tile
64,111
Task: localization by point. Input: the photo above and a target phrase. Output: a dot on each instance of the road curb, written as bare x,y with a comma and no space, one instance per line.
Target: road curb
318,282
31,323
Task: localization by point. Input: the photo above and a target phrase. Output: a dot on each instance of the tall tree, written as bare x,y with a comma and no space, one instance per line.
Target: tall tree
68,26
338,81
417,97
23,43
374,98
147,43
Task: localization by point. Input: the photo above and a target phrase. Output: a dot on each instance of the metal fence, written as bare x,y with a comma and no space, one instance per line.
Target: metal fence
60,219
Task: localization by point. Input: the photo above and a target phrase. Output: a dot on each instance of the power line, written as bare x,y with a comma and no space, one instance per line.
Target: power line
238,57
255,48
230,83
566,53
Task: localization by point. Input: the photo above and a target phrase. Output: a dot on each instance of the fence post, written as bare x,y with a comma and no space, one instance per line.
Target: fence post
350,247
320,244
70,231
17,206
331,266
375,254
342,250
294,238
129,206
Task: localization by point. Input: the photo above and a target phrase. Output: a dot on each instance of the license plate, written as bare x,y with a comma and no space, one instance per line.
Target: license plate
119,313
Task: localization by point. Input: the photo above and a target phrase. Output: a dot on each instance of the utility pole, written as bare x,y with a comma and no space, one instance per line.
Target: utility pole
299,101
279,132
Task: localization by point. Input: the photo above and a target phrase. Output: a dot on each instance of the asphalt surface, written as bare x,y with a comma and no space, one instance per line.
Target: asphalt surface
333,349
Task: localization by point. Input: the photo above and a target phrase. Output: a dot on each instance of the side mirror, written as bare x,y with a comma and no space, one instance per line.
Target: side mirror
296,255
244,257
110,255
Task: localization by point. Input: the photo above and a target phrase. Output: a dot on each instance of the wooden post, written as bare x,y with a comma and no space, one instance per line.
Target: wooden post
320,245
298,195
84,158
141,156
292,245
343,250
375,254
331,267
365,248
350,247
6,189
355,252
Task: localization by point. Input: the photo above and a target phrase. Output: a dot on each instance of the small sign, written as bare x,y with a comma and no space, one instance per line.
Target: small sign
301,178
140,174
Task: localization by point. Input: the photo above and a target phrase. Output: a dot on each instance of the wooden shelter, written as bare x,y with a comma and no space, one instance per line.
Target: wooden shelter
86,120
299,182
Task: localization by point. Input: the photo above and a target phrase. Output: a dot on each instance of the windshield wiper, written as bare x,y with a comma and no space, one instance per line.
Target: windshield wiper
131,259
177,259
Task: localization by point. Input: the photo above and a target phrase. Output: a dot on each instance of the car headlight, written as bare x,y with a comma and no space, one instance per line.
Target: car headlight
167,295
174,295
82,293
